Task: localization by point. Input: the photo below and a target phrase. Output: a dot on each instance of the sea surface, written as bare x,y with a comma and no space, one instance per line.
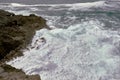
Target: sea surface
46,1
83,43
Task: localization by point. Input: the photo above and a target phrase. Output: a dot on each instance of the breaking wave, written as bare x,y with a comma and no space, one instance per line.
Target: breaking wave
84,43
101,5
81,52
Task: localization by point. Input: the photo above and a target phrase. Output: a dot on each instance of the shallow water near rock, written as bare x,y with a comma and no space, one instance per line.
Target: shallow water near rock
83,44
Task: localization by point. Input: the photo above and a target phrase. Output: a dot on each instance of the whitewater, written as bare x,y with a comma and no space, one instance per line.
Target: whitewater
83,43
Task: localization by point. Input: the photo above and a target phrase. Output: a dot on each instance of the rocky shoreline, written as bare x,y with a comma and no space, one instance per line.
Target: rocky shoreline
16,32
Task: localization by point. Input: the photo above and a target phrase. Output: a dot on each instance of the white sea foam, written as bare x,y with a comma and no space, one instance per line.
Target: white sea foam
73,6
87,4
81,52
17,5
20,12
78,6
104,5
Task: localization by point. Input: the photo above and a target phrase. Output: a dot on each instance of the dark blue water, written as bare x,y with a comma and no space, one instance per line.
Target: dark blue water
46,1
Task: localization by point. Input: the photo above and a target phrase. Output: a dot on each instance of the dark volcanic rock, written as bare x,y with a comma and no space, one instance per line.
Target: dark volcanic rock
16,32
9,73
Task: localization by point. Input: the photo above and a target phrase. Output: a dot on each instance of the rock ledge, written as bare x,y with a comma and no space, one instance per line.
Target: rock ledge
16,32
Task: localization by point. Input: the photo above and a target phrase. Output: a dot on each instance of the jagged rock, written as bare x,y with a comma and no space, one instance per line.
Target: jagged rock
16,32
9,73
1,70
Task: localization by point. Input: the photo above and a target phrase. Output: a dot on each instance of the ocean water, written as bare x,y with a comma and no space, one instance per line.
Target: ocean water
83,43
45,1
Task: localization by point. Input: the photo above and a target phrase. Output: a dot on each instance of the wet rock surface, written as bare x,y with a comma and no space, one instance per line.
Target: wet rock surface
16,32
9,73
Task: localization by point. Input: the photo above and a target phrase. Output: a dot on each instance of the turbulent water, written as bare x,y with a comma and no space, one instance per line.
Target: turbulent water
83,43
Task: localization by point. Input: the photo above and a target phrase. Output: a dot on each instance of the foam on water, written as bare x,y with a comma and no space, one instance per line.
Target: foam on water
17,5
83,51
97,3
20,12
75,6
